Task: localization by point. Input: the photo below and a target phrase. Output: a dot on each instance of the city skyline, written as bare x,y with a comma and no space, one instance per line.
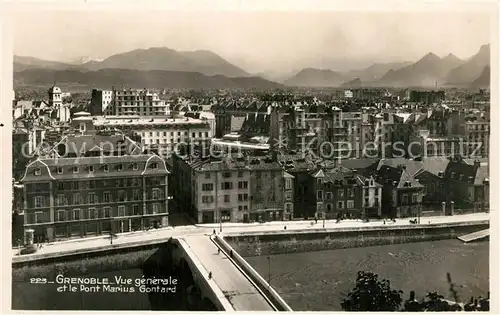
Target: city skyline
300,39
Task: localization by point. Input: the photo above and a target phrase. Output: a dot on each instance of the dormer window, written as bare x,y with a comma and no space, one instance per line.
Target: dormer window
119,167
59,170
91,169
38,171
154,166
106,167
75,169
135,167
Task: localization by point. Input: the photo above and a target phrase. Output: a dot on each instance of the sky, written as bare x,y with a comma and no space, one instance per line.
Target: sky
258,40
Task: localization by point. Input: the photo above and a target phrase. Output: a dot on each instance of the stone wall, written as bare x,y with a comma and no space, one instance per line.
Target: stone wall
289,242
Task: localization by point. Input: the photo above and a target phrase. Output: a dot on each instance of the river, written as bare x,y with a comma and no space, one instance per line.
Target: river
318,281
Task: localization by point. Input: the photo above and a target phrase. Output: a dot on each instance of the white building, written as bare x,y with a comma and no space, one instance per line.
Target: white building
163,133
127,102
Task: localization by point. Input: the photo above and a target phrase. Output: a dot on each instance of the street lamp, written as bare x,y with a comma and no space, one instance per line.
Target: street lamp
220,220
324,219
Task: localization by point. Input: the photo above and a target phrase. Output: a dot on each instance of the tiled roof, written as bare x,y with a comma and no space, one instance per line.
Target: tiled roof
359,163
435,165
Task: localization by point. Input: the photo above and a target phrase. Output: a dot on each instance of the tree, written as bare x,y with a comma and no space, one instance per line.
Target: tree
372,294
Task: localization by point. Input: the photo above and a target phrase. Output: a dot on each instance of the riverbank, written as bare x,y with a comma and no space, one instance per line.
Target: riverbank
284,242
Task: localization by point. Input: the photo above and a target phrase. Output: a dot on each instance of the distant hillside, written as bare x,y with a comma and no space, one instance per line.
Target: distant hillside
316,78
483,81
356,83
108,78
376,71
471,69
162,58
22,63
425,72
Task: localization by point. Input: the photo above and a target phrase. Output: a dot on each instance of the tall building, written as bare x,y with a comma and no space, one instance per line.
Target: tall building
128,102
100,101
85,196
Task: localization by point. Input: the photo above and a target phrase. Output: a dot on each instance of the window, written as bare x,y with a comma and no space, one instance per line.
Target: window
75,169
136,210
39,217
136,195
288,207
243,185
329,196
61,200
329,207
240,174
156,194
405,199
340,205
38,171
341,192
154,166
207,175
106,167
207,187
226,185
288,183
91,198
122,196
350,204
121,211
226,174
288,195
242,197
119,167
207,199
414,198
76,198
320,195
106,196
76,214
227,198
61,215
91,169
135,167
39,201
59,170
107,212
156,208
76,185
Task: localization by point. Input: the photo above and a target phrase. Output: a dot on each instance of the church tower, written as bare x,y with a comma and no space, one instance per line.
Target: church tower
55,98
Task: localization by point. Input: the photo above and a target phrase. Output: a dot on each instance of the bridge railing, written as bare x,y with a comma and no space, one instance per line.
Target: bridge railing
269,292
221,301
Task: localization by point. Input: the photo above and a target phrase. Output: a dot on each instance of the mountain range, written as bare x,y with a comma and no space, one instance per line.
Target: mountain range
158,79
429,71
166,63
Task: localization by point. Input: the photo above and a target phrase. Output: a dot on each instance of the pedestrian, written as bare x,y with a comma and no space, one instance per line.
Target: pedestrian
210,275
213,232
231,254
218,251
384,221
285,227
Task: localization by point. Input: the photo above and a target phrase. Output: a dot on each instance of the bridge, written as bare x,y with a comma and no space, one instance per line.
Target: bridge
476,236
233,285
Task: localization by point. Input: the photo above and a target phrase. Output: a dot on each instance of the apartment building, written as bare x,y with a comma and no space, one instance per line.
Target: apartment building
87,196
100,101
341,192
164,133
477,136
233,189
128,102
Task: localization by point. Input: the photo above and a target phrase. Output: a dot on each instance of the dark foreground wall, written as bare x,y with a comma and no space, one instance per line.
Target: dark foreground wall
32,290
294,242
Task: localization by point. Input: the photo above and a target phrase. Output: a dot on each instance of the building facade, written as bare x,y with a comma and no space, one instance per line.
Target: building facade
86,196
233,190
128,102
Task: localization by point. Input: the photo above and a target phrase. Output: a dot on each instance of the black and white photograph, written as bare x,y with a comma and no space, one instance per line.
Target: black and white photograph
239,159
